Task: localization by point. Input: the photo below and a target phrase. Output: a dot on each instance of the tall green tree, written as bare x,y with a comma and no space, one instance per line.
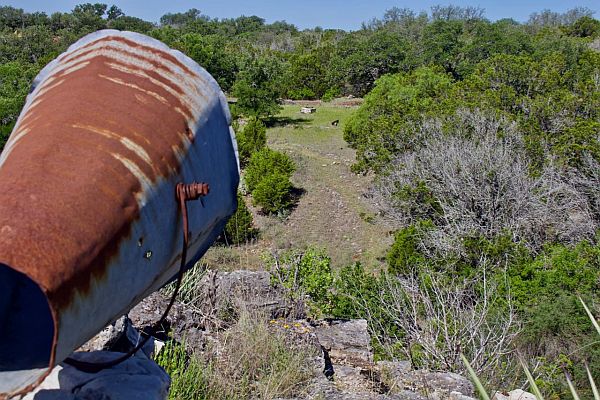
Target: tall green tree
212,53
256,87
15,81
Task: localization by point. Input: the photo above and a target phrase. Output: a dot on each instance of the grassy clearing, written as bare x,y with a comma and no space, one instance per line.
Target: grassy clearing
331,212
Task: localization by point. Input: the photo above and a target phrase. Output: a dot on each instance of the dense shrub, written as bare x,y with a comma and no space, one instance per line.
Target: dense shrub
428,316
551,96
189,377
273,193
511,302
301,94
307,276
352,283
383,125
265,162
331,94
256,87
584,27
360,294
239,228
406,252
251,139
556,332
478,182
15,82
501,161
541,291
267,178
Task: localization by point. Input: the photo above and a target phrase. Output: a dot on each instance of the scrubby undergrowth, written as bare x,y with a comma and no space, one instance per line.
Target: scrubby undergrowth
248,360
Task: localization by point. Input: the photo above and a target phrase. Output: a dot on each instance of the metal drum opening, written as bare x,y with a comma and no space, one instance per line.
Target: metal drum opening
26,330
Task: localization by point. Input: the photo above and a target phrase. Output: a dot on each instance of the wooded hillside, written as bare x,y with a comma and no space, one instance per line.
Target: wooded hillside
482,139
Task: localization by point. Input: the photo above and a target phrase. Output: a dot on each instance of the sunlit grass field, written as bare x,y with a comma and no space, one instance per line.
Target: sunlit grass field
331,211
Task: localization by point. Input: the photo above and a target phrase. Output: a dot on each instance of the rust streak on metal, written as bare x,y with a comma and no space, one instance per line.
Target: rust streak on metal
131,85
113,51
157,80
52,86
148,73
126,142
74,68
161,54
129,62
68,111
160,68
136,62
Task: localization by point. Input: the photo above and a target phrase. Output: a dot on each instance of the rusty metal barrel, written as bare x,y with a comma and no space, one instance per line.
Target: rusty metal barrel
89,222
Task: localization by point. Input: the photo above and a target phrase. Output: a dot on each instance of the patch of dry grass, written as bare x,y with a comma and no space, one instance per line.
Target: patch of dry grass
254,361
249,360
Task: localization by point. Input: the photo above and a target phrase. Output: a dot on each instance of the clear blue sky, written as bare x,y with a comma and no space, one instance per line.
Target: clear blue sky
344,14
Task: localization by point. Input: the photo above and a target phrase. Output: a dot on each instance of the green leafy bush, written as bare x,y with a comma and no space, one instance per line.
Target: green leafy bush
301,94
189,377
267,178
382,126
273,193
558,379
265,162
556,331
15,81
351,283
306,273
557,270
306,75
360,294
406,253
251,139
584,27
331,94
416,200
547,94
542,289
239,228
256,87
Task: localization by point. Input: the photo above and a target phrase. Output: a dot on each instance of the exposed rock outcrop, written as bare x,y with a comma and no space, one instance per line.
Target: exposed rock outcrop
348,342
344,371
356,376
219,290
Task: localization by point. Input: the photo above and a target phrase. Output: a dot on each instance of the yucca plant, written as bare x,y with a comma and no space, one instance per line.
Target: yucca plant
534,387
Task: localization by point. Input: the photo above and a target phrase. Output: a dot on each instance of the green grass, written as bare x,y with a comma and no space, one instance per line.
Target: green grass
189,376
331,212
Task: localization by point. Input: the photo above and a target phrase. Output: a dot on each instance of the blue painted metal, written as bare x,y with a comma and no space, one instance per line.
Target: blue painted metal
89,224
